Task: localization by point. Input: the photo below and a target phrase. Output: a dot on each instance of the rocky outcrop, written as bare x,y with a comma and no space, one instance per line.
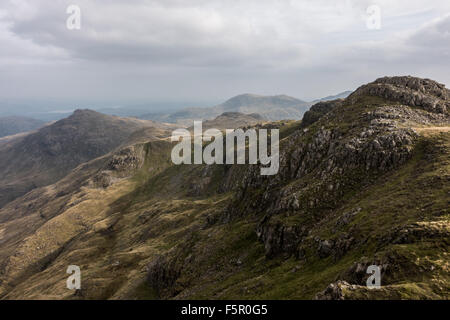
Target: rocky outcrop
404,115
199,185
279,238
346,218
342,146
126,159
425,93
318,110
357,273
415,232
122,164
335,291
329,159
162,274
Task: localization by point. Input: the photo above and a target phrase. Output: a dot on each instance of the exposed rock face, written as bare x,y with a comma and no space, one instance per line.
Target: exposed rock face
279,238
346,218
122,164
327,156
161,274
128,159
324,247
416,232
335,291
343,145
357,273
427,94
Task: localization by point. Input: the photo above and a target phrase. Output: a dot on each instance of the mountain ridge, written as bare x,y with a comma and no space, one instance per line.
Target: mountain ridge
48,154
276,107
365,180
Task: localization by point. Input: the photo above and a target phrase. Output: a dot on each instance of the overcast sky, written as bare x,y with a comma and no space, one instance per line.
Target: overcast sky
208,50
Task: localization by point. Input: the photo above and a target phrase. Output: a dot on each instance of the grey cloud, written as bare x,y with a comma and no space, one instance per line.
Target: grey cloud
434,36
211,49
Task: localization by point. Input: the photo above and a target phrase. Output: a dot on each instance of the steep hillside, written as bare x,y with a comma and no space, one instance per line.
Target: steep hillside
364,181
15,124
47,155
270,107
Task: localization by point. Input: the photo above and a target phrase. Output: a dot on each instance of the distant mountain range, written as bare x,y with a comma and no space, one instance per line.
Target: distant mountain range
279,107
270,107
276,107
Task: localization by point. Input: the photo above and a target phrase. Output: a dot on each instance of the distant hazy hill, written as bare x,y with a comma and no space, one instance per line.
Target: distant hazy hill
45,156
341,95
15,124
270,107
232,120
